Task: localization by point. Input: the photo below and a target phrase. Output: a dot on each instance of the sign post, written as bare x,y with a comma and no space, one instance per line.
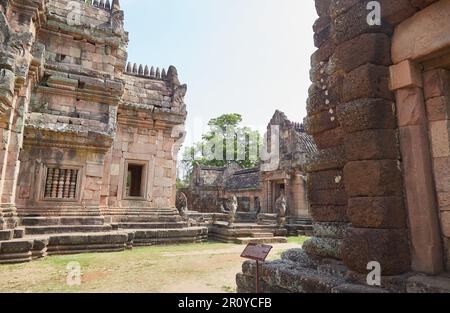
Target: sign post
258,253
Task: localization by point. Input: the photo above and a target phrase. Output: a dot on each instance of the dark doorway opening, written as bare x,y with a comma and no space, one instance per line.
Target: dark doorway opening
134,180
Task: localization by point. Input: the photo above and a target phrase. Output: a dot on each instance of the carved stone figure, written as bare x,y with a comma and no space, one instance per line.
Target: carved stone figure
232,205
182,204
281,208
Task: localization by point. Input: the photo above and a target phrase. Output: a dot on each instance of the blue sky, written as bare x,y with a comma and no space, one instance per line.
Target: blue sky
236,56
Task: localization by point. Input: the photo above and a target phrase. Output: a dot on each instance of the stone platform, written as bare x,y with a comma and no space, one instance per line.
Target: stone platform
244,233
33,247
39,236
297,272
157,226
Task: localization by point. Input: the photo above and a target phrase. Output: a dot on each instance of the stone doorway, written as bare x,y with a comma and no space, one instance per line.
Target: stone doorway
420,78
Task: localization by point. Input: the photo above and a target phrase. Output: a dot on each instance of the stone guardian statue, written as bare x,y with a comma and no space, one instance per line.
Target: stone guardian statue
281,207
232,205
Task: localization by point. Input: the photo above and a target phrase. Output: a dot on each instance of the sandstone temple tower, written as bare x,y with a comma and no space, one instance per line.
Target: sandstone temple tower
88,144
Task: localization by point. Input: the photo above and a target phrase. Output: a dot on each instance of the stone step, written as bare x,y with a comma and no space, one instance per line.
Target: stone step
142,211
148,219
247,240
428,284
6,234
246,226
22,250
54,221
262,235
152,225
58,229
19,232
355,289
146,237
75,243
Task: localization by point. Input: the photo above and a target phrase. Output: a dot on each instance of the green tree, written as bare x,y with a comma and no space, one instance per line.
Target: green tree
225,142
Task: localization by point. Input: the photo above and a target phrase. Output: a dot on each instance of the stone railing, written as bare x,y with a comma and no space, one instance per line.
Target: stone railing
144,71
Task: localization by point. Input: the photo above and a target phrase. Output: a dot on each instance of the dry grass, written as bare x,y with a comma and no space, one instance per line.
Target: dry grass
208,267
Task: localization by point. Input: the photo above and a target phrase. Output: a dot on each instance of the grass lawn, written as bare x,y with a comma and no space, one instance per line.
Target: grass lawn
206,267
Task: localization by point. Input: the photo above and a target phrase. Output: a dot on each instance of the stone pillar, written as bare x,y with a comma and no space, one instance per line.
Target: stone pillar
437,96
11,148
356,176
269,197
426,249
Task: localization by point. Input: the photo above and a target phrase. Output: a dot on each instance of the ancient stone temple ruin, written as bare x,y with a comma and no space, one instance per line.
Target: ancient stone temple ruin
88,144
280,174
379,185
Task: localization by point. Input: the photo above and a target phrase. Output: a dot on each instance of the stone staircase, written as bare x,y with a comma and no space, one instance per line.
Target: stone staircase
244,233
38,236
157,226
69,224
299,226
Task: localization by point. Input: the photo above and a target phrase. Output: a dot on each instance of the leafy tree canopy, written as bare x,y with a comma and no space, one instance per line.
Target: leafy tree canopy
225,142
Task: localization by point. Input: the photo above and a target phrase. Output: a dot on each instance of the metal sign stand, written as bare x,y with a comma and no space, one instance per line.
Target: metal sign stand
258,253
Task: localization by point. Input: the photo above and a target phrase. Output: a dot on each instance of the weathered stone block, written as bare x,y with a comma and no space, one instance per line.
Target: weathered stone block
372,144
445,223
394,12
373,178
325,180
427,284
334,230
442,174
440,142
7,234
377,212
328,197
324,97
405,75
420,4
322,31
329,213
354,289
338,7
300,258
326,159
321,121
367,81
431,25
324,247
16,246
323,53
329,138
323,7
353,22
444,200
410,107
436,83
389,247
438,108
366,114
367,48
